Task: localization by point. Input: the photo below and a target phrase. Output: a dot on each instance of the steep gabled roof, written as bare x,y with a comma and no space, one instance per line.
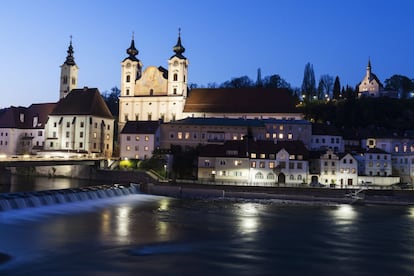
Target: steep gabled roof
140,127
86,101
240,100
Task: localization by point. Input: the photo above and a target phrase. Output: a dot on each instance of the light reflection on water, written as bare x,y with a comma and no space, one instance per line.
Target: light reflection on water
196,237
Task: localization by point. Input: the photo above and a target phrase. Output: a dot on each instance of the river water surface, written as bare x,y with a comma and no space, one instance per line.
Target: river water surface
152,235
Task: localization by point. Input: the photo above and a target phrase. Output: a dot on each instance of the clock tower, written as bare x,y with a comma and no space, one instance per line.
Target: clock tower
68,73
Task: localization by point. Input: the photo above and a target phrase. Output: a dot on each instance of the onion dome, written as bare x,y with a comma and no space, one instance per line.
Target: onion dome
70,60
178,48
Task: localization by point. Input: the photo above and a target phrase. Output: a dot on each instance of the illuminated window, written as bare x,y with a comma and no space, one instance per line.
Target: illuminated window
267,135
180,135
94,135
146,148
280,135
271,165
281,127
262,155
262,164
187,135
292,157
274,136
253,164
290,136
235,137
237,162
146,138
137,138
128,148
253,155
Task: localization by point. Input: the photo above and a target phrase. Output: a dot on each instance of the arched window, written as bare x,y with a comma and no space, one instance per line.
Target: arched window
270,176
300,177
291,177
128,78
258,175
175,77
65,80
151,92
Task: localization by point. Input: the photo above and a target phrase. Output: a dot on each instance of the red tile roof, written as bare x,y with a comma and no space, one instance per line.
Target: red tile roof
240,100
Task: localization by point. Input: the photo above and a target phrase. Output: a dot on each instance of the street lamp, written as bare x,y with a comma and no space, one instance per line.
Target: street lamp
165,170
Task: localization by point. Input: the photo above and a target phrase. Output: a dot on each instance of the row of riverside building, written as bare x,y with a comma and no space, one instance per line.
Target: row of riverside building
246,136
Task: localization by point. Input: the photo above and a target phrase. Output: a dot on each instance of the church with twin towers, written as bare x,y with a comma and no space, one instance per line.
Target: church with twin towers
155,93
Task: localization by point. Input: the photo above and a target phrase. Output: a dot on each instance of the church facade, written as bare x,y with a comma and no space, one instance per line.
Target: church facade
153,93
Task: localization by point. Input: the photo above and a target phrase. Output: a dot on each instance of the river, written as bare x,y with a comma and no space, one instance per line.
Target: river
153,235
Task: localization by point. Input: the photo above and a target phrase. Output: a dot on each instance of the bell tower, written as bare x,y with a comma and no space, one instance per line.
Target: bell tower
178,70
68,73
131,70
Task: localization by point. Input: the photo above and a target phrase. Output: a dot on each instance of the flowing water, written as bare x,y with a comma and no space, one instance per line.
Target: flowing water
151,235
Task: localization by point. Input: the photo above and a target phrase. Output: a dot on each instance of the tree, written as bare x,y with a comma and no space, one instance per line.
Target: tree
399,83
275,81
337,89
111,100
241,82
309,84
326,81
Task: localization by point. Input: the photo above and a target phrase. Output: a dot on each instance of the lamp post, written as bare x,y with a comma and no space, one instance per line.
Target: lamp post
165,170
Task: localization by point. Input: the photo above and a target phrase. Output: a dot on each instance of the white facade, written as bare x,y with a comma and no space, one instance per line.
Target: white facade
348,171
80,133
377,163
324,142
154,94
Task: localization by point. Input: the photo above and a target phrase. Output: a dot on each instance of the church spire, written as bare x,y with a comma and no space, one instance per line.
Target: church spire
132,51
178,48
369,67
70,60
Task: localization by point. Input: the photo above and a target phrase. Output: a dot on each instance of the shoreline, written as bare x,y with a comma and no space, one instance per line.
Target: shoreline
320,195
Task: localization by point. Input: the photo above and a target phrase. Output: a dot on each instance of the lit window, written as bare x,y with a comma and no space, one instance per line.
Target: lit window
180,135
146,138
136,138
290,136
253,155
280,135
146,148
262,164
262,155
187,135
271,165
274,135
94,135
128,148
253,164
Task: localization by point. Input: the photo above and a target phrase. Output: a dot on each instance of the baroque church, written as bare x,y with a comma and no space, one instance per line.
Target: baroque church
154,93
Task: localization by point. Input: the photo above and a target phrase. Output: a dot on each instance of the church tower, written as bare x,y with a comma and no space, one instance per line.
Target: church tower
178,70
68,73
131,70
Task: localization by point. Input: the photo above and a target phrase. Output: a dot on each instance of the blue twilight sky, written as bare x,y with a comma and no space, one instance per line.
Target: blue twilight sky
223,39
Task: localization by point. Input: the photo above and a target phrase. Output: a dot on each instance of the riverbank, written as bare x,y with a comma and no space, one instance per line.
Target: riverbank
304,194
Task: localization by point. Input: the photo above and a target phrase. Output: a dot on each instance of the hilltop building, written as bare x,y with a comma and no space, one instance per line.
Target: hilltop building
371,86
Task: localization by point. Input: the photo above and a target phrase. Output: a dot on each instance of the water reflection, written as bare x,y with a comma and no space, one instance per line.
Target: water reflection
249,219
344,215
122,223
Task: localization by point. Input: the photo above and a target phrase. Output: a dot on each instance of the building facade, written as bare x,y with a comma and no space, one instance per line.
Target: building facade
80,122
154,93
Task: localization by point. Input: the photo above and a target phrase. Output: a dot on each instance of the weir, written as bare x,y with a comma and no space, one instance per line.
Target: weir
11,201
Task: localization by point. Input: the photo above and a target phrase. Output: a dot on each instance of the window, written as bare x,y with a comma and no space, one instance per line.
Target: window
299,166
81,134
253,164
146,148
344,161
137,117
96,125
253,155
290,136
128,78
282,165
222,162
175,77
149,116
94,145
258,175
291,165
175,91
67,134
262,164
137,138
128,138
127,92
180,135
107,137
291,177
82,124
67,124
271,165
300,177
39,133
262,156
280,135
94,135
65,79
73,81
128,148
136,148
270,176
67,144
146,138
187,135
54,134
126,117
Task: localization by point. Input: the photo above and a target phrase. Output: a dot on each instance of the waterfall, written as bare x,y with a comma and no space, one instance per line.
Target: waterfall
10,201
